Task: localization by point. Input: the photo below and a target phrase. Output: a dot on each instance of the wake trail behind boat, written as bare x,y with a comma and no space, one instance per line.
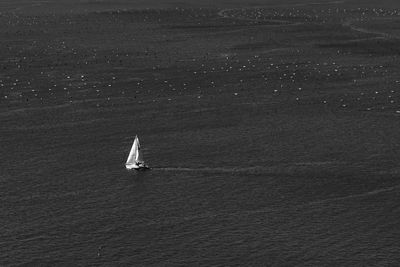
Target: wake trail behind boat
272,169
255,169
205,169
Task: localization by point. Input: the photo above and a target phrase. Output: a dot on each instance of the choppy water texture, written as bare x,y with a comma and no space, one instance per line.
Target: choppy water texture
272,132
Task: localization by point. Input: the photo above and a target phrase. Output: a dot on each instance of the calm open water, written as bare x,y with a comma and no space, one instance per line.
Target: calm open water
69,201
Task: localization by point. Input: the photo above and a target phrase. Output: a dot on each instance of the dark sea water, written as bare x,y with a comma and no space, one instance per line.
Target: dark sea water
68,200
270,142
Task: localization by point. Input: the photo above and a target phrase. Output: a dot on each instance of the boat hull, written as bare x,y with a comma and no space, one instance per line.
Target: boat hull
137,167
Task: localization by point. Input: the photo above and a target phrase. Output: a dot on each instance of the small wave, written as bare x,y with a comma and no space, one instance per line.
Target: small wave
360,195
215,215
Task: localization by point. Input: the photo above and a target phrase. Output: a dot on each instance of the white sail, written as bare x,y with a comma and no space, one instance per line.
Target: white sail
139,154
135,159
133,153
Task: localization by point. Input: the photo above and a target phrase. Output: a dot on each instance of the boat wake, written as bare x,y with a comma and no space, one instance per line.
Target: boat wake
272,169
184,169
231,170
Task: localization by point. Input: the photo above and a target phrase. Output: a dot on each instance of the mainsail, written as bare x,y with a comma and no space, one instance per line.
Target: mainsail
135,159
139,154
135,155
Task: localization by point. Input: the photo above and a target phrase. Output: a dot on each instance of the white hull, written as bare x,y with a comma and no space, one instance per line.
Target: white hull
136,167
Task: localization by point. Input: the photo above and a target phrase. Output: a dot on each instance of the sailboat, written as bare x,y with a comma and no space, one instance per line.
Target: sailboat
135,159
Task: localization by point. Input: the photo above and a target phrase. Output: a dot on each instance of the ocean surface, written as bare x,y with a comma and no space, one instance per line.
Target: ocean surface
269,142
68,200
